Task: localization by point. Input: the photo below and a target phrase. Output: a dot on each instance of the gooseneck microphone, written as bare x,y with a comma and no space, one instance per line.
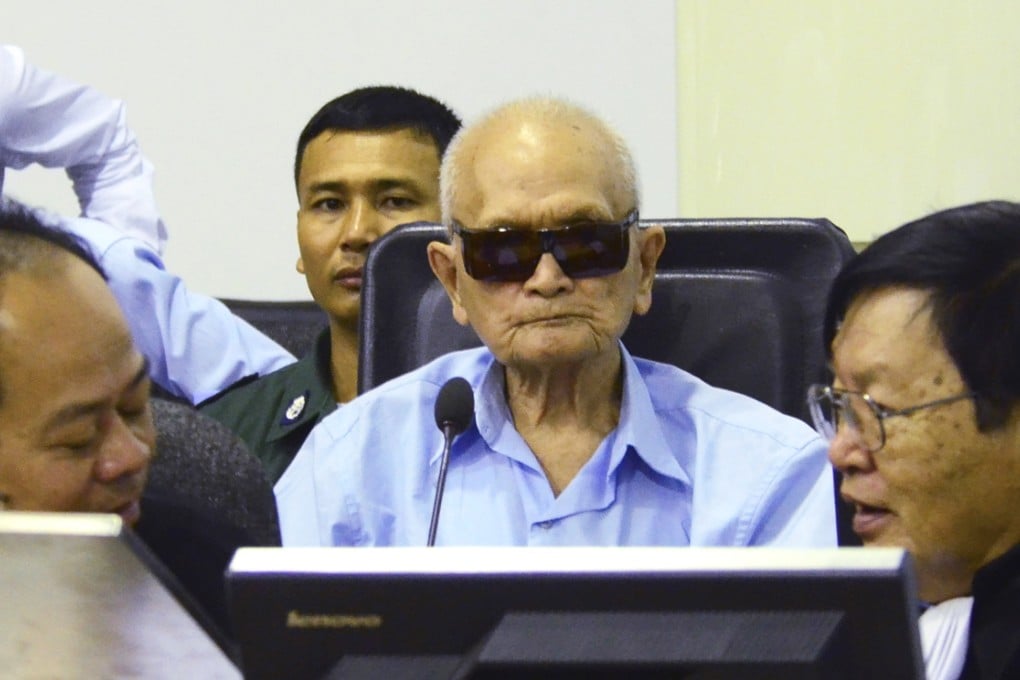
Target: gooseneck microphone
455,407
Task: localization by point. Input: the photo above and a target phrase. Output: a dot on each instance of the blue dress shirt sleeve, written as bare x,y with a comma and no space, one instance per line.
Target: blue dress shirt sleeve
49,120
799,508
195,345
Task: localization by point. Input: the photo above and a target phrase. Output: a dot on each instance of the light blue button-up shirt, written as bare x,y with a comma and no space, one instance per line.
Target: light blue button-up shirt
195,345
688,464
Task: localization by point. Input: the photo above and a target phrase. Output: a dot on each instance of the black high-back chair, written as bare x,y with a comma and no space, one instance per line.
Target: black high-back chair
293,324
737,302
202,466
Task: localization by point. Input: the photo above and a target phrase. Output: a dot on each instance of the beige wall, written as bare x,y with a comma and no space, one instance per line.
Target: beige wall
869,112
866,112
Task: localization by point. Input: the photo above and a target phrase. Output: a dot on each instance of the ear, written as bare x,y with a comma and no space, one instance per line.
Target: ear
297,232
443,260
651,242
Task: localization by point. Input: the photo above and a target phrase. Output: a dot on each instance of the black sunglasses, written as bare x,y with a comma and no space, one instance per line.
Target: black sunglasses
582,249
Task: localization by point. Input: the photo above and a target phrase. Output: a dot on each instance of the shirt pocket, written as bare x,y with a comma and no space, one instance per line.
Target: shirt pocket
363,524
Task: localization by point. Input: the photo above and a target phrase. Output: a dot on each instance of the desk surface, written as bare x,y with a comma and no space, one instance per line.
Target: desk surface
79,603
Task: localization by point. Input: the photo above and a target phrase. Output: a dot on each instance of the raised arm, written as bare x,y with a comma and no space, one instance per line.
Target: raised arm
195,345
52,121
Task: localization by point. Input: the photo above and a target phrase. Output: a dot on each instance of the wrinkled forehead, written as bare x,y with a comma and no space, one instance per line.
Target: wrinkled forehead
889,330
512,170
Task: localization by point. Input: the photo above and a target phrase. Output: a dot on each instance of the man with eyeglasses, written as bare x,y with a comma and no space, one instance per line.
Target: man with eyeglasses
923,420
574,441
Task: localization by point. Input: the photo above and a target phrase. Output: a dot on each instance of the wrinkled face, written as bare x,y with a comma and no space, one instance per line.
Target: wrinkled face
353,187
938,487
542,179
76,433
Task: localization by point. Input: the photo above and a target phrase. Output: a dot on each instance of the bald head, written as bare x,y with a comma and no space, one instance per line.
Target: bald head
75,429
543,165
530,144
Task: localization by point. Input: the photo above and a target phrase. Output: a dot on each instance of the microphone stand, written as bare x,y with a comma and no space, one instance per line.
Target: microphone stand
449,431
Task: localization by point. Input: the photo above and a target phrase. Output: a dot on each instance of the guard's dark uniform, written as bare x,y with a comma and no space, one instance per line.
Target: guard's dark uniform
274,413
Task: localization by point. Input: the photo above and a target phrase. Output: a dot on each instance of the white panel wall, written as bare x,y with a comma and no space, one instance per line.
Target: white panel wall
218,91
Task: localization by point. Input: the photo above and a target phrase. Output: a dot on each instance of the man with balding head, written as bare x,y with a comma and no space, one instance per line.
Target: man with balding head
574,441
76,428
76,433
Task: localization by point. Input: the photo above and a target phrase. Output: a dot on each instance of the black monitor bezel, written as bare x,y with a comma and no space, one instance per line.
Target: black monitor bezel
419,603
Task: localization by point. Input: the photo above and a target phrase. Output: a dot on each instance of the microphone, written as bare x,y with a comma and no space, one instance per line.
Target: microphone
455,407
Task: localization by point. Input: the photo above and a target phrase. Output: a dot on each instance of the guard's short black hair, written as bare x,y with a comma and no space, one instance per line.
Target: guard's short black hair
968,260
381,107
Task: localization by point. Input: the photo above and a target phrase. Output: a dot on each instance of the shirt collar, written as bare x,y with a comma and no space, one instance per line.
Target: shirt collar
306,394
487,394
639,428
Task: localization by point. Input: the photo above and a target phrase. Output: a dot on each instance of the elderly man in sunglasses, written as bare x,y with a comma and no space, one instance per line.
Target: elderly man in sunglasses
573,440
924,421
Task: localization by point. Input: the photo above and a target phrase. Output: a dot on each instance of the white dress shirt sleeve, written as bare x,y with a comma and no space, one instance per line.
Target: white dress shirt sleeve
944,631
49,120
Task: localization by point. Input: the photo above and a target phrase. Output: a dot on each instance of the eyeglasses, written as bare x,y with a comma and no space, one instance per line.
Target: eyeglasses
582,250
830,408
